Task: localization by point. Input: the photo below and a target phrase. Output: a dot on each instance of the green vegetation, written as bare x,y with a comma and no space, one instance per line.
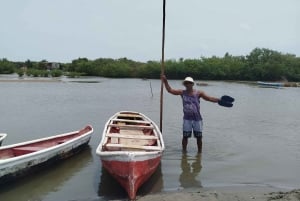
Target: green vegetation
7,67
260,64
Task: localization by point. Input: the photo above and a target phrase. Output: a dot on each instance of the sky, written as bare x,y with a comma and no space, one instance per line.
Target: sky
64,30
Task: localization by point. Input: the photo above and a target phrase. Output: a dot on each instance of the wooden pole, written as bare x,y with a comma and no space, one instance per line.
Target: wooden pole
162,64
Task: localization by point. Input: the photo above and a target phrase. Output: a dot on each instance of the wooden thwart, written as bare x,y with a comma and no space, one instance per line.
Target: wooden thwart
129,115
151,148
140,137
133,121
130,126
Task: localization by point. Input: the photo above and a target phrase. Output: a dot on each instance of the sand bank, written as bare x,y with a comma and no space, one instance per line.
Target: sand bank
226,194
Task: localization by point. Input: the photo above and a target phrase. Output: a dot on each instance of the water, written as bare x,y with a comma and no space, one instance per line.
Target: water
254,143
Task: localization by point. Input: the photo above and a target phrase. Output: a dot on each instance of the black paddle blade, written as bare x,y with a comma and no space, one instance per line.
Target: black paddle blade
227,98
225,103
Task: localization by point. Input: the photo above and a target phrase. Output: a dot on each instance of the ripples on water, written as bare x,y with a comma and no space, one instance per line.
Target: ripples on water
255,142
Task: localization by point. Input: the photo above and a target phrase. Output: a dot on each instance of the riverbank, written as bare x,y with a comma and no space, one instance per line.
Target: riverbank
32,80
16,78
227,194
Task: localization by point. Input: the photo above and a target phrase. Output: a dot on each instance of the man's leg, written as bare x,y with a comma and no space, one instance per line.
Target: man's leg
184,143
198,126
187,133
199,144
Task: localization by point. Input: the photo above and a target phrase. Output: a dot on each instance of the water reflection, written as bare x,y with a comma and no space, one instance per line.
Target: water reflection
191,167
154,184
49,179
109,188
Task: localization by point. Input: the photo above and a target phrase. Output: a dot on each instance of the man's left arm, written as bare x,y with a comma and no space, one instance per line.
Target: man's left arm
208,98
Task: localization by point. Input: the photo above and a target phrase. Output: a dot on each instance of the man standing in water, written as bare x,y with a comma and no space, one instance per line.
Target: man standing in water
192,120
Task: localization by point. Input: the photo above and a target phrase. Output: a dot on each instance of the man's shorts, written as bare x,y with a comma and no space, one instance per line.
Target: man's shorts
191,126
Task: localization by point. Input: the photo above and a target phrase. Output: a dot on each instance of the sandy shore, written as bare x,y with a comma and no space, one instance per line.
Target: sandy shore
226,194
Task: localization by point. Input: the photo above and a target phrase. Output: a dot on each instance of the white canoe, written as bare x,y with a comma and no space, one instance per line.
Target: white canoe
19,159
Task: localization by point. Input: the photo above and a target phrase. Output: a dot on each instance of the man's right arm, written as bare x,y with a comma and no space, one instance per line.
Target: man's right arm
168,87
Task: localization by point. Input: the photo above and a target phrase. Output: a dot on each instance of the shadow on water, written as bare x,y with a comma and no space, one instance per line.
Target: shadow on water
191,167
36,186
109,188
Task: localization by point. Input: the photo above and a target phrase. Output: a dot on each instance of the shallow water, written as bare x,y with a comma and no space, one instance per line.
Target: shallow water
254,143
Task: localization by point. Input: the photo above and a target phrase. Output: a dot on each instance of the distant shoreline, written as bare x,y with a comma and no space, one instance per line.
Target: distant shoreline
29,80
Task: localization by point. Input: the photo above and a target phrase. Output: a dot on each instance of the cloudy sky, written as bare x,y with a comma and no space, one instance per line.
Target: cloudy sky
63,30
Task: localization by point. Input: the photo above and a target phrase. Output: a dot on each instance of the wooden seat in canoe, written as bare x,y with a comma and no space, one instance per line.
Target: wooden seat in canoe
134,137
129,115
131,121
130,126
131,146
140,137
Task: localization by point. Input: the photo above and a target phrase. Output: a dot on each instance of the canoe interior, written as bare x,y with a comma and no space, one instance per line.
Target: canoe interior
130,132
27,148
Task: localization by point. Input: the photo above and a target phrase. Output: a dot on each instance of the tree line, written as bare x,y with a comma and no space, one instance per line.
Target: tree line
259,64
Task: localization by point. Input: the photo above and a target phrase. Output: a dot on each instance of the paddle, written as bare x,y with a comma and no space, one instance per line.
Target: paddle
162,64
226,101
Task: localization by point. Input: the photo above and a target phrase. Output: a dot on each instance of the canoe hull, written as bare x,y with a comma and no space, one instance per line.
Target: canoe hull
19,166
131,174
31,166
131,161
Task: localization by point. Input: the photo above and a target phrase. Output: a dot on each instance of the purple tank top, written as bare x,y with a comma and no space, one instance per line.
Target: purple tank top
191,106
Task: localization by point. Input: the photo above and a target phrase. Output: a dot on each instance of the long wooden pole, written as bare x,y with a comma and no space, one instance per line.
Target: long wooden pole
162,64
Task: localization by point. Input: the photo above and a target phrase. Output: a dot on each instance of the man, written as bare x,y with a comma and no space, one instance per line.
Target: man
192,119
